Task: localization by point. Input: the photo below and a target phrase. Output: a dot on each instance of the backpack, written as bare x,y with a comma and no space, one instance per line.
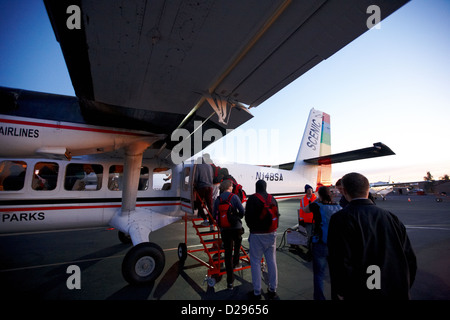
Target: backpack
240,192
270,211
225,211
216,170
237,188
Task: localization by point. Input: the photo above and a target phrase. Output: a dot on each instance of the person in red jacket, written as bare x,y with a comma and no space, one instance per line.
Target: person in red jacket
310,197
306,219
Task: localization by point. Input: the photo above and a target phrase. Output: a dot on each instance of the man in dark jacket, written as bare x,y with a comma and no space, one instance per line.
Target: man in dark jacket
203,184
370,255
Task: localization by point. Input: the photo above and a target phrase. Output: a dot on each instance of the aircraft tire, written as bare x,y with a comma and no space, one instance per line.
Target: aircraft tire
182,251
143,263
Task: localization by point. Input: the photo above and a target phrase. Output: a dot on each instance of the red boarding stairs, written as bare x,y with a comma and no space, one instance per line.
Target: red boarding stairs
212,246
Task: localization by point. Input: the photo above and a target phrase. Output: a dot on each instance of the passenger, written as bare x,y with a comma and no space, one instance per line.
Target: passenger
115,179
237,188
216,178
262,239
322,211
45,177
89,180
230,225
306,219
203,183
370,255
82,177
342,202
13,175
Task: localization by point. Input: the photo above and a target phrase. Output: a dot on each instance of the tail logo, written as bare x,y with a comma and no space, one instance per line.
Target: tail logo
313,135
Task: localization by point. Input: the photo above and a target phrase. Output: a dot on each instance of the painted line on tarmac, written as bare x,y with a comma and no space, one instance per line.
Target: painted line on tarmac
82,261
60,263
428,227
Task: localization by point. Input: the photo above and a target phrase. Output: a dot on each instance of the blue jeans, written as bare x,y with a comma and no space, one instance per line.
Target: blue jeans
320,254
263,244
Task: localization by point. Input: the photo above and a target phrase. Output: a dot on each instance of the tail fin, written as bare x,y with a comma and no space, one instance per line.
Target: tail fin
316,142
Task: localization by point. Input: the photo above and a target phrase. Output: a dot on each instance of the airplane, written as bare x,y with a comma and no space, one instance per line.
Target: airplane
148,76
384,188
381,190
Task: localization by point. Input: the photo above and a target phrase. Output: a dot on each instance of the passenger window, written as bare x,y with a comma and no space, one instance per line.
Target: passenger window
83,177
115,178
12,175
162,179
45,176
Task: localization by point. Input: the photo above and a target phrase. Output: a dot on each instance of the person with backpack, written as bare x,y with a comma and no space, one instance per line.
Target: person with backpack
228,212
237,188
322,211
261,215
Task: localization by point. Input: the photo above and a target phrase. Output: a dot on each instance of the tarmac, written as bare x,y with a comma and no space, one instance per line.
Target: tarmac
34,266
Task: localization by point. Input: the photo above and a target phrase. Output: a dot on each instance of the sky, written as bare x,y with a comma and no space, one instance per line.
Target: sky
390,85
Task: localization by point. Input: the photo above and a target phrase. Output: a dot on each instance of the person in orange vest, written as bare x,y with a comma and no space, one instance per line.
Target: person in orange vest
306,219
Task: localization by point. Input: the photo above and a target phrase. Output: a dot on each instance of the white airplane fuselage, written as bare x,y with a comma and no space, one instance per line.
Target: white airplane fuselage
30,204
68,206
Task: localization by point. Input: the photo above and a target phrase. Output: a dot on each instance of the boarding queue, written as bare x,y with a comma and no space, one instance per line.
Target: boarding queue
366,248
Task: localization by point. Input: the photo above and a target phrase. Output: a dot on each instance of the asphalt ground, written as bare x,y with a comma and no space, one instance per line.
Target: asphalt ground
34,266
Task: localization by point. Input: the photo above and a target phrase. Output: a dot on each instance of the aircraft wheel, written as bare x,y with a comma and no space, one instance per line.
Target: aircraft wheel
143,263
182,251
124,238
211,282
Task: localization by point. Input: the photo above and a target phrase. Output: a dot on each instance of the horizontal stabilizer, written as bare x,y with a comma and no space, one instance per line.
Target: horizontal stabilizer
378,150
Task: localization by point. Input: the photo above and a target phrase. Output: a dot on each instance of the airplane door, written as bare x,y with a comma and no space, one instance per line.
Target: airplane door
187,188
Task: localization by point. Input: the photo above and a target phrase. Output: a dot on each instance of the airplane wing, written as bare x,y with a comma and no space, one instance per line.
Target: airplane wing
161,63
378,150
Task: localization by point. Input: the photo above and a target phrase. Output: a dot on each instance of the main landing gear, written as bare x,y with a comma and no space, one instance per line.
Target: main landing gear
143,263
